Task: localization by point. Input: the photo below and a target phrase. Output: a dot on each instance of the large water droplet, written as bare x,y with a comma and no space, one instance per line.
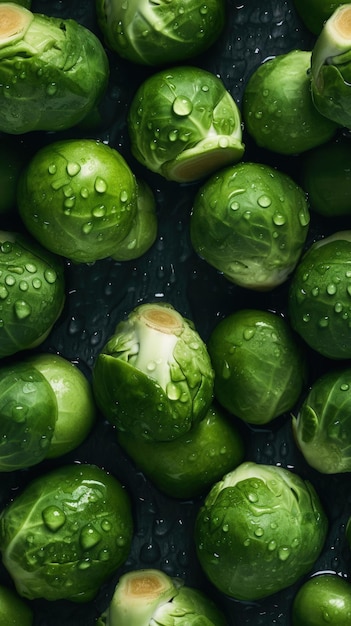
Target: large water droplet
182,106
53,517
89,537
22,309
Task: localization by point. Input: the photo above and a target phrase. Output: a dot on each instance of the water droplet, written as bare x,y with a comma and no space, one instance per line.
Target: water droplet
124,196
264,201
226,370
51,89
89,537
249,333
73,168
344,387
53,517
87,228
22,309
324,322
3,292
279,219
252,497
50,276
182,106
31,268
23,285
100,185
173,392
52,169
283,553
272,545
36,282
84,192
106,525
331,289
234,205
259,532
173,135
99,211
10,280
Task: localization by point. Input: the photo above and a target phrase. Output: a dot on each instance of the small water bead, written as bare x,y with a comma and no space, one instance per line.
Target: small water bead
99,211
272,545
22,309
52,169
73,168
226,371
124,197
89,537
259,532
31,268
84,192
173,135
100,185
284,553
3,292
234,206
87,228
50,276
10,280
348,290
182,106
323,322
36,283
53,517
106,525
249,333
279,219
51,89
264,201
344,387
173,391
331,289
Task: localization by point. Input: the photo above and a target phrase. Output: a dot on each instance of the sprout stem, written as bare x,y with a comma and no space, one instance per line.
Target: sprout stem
163,319
14,21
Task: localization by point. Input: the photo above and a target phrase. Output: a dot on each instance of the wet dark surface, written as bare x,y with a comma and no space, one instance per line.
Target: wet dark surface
101,294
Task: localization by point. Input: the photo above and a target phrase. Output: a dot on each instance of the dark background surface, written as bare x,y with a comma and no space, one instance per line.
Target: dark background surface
100,294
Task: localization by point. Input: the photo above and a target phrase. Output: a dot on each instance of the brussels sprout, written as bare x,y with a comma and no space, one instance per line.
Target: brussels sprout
183,124
322,425
53,72
28,411
154,378
331,68
250,222
259,530
259,366
277,107
324,598
149,596
326,176
319,303
80,199
24,3
315,12
191,463
74,401
157,33
66,533
14,610
32,292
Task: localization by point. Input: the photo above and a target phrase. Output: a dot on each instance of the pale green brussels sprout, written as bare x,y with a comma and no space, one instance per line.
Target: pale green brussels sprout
46,407
183,124
53,72
331,68
259,366
322,425
32,292
324,598
76,411
14,610
24,3
250,221
149,596
80,199
260,529
66,533
319,306
157,33
277,108
153,378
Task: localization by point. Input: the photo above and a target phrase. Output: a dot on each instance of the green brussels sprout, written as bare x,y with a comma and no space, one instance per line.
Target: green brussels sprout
331,68
191,463
183,124
154,378
157,33
326,177
14,610
149,596
315,12
250,221
65,534
28,411
323,599
322,425
277,108
319,304
259,366
79,199
53,72
75,405
24,3
260,529
32,292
